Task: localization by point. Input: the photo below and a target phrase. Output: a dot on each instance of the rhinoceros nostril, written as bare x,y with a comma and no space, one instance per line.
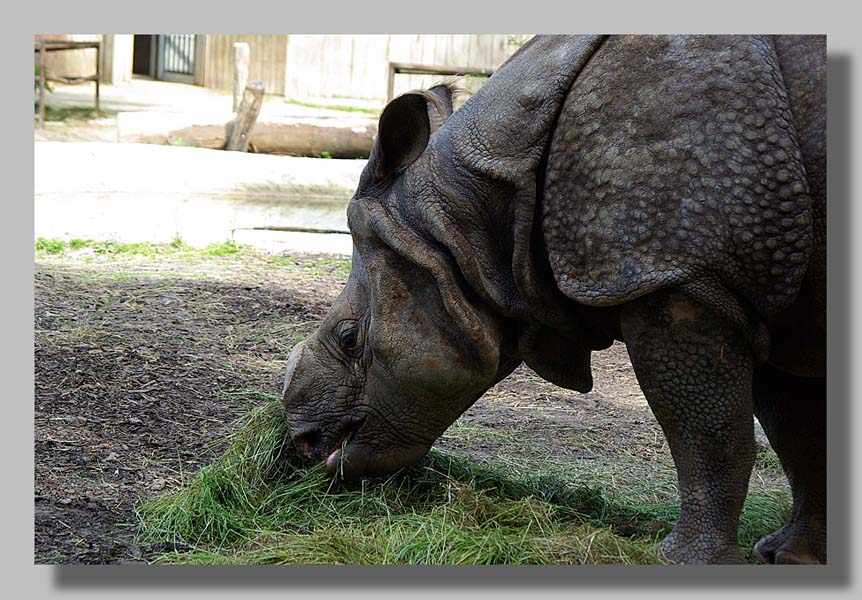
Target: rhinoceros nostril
306,441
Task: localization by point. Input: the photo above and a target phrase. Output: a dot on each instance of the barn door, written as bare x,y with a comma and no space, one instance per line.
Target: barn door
176,57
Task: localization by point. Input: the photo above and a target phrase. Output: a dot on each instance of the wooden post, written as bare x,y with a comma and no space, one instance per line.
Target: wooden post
390,82
98,73
42,81
239,130
241,54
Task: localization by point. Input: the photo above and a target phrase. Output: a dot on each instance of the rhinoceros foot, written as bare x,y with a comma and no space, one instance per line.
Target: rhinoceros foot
793,544
699,550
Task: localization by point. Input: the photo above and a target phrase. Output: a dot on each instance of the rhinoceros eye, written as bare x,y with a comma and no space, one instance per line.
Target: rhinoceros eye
347,333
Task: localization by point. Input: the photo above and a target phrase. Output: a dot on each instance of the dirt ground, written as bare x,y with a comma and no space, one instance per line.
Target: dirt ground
139,366
143,362
78,129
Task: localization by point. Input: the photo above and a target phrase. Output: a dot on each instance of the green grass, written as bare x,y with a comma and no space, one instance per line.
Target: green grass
178,247
341,107
50,246
226,248
257,504
768,461
109,248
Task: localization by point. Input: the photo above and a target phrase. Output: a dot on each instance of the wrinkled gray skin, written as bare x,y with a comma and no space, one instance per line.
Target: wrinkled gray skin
669,192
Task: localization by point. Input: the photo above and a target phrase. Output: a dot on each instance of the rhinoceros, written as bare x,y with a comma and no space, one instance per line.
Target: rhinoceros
665,191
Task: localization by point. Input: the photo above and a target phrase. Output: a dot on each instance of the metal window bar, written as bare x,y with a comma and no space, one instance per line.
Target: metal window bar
179,53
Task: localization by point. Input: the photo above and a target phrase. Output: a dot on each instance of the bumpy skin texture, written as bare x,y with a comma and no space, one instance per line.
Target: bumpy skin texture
681,156
668,191
803,324
695,370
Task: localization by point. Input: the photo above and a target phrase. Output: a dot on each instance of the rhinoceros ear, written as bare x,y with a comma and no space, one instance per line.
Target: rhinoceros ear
440,106
402,133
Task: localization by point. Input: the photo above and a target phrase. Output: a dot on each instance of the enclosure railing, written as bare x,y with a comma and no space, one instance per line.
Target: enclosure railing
43,46
416,69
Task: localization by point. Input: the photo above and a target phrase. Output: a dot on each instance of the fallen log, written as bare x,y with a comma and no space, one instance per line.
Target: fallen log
338,137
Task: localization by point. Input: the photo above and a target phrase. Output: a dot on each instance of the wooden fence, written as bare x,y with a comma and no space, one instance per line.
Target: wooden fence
74,63
348,66
266,60
310,66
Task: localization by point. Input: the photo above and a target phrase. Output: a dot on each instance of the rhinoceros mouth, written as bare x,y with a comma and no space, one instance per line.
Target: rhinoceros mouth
337,457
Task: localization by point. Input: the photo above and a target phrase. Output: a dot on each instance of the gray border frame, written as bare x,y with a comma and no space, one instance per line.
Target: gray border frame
833,17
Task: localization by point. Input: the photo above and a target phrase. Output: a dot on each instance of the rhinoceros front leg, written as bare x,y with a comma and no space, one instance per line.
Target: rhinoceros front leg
696,373
792,411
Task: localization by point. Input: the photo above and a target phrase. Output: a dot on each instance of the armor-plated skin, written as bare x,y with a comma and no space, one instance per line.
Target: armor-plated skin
667,191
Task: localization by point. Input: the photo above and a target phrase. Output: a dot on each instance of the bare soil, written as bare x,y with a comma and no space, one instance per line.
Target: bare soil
140,365
143,362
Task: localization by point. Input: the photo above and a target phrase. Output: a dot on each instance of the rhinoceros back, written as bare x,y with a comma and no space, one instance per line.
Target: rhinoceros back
675,162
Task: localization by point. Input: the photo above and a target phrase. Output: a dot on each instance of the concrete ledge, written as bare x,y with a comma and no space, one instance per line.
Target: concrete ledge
139,192
341,137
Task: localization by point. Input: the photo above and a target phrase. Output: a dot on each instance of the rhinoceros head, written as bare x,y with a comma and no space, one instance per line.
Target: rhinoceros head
406,347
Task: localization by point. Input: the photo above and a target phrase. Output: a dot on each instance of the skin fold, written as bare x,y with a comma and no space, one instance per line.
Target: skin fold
665,191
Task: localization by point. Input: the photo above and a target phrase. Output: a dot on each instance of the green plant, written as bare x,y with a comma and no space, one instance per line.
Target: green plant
517,40
36,81
177,242
223,248
51,246
325,154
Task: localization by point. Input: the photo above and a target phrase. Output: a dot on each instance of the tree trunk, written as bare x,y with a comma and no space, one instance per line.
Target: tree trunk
239,130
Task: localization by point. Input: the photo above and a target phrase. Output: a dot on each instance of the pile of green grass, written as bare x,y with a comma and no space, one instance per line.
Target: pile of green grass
258,504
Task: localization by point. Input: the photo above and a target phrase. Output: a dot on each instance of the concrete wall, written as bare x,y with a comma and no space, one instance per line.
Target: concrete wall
117,58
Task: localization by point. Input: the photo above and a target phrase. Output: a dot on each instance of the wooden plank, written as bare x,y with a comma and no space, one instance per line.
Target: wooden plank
418,69
56,45
72,80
